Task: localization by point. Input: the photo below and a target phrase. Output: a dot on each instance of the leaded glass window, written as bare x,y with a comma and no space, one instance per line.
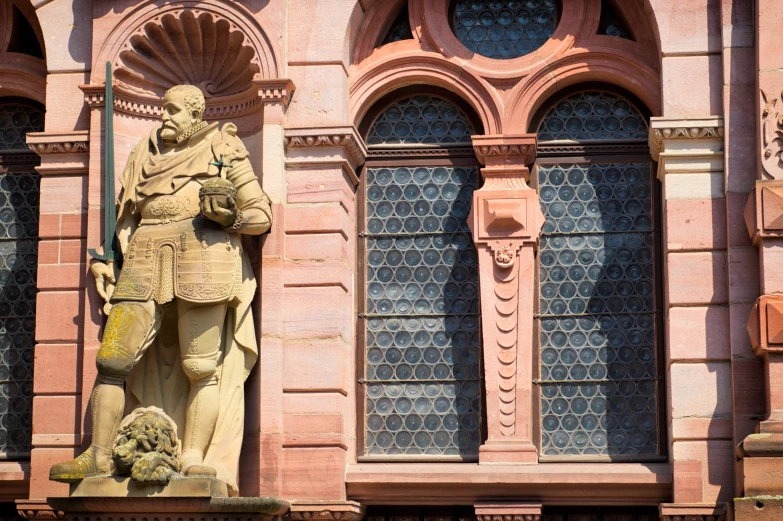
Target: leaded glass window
503,29
611,24
19,201
421,120
599,319
422,372
649,513
400,28
593,115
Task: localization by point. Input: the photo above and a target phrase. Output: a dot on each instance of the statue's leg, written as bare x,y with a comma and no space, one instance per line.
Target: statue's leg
130,329
200,335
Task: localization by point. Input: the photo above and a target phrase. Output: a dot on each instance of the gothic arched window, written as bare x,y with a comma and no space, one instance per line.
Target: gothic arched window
600,322
419,318
19,201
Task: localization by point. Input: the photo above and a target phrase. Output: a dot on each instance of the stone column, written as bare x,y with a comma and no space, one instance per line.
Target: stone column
506,219
760,468
61,282
698,359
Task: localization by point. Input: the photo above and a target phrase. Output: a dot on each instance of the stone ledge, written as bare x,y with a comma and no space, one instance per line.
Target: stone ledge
692,512
327,511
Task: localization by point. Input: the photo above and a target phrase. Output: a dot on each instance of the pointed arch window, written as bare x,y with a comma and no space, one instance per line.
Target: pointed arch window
600,320
19,208
419,318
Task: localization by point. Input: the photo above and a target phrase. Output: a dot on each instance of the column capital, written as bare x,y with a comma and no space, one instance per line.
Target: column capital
687,145
62,153
506,157
318,146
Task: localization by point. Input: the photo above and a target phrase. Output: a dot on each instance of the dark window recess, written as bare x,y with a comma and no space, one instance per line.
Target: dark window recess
598,284
600,514
420,319
415,513
19,207
23,39
400,28
503,29
611,23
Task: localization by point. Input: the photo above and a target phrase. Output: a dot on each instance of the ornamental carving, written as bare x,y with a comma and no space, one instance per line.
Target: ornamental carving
63,147
321,138
509,517
220,61
772,135
666,129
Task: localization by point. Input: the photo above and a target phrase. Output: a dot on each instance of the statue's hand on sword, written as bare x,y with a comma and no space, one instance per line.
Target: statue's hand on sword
106,274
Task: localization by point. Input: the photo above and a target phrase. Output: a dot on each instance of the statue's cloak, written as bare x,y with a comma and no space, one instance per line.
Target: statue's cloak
157,379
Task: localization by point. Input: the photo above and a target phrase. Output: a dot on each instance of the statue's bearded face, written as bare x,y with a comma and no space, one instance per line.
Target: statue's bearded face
176,116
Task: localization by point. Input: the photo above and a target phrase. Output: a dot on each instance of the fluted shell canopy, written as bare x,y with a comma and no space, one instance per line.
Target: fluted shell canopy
187,48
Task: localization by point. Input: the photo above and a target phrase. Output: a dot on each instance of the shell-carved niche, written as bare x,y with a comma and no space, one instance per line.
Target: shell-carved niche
187,48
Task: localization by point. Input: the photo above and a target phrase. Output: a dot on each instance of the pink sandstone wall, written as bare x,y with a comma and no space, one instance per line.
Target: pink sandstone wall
693,66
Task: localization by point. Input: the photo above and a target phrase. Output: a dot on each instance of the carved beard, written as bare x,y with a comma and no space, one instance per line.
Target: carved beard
172,134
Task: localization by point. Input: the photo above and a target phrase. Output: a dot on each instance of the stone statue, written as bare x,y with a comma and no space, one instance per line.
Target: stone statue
180,333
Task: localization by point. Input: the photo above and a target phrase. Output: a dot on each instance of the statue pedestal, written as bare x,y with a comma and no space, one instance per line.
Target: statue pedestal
185,499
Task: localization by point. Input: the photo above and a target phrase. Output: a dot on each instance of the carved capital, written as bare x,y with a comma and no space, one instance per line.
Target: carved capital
692,512
505,149
327,511
43,143
663,130
325,144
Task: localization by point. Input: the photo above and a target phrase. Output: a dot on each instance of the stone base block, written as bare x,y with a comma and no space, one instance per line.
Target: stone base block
112,486
184,499
762,476
759,508
508,452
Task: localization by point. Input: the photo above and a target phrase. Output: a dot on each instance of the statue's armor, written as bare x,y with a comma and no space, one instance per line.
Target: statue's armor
175,252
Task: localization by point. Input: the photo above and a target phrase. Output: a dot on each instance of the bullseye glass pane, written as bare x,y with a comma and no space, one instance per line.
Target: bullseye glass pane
599,370
421,120
19,194
422,338
503,29
593,115
16,120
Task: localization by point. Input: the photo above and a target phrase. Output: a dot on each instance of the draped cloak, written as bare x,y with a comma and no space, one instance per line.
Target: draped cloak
158,379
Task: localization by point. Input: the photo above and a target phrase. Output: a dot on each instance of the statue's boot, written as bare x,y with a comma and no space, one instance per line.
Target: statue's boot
199,427
95,461
108,401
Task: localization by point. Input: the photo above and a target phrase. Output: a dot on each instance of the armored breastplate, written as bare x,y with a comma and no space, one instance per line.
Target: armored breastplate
179,206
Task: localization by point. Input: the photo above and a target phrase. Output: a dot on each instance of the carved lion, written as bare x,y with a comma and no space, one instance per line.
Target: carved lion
147,447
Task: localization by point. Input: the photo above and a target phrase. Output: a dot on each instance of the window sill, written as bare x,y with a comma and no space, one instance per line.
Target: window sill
550,483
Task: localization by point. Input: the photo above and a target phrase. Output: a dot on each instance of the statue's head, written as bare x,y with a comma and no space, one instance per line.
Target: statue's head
183,108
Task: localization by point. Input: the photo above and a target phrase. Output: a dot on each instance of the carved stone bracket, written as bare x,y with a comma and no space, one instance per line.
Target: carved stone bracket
506,219
692,512
38,510
508,511
327,511
687,145
308,147
62,153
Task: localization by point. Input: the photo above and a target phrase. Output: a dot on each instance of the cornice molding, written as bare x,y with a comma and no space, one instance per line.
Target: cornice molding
236,105
508,512
506,149
346,138
44,143
38,511
327,511
663,130
692,512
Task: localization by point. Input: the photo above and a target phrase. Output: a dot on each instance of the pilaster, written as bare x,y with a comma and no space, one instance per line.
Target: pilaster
506,220
61,282
690,155
308,315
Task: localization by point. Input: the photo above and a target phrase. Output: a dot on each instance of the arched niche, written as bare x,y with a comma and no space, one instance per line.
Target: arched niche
22,64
